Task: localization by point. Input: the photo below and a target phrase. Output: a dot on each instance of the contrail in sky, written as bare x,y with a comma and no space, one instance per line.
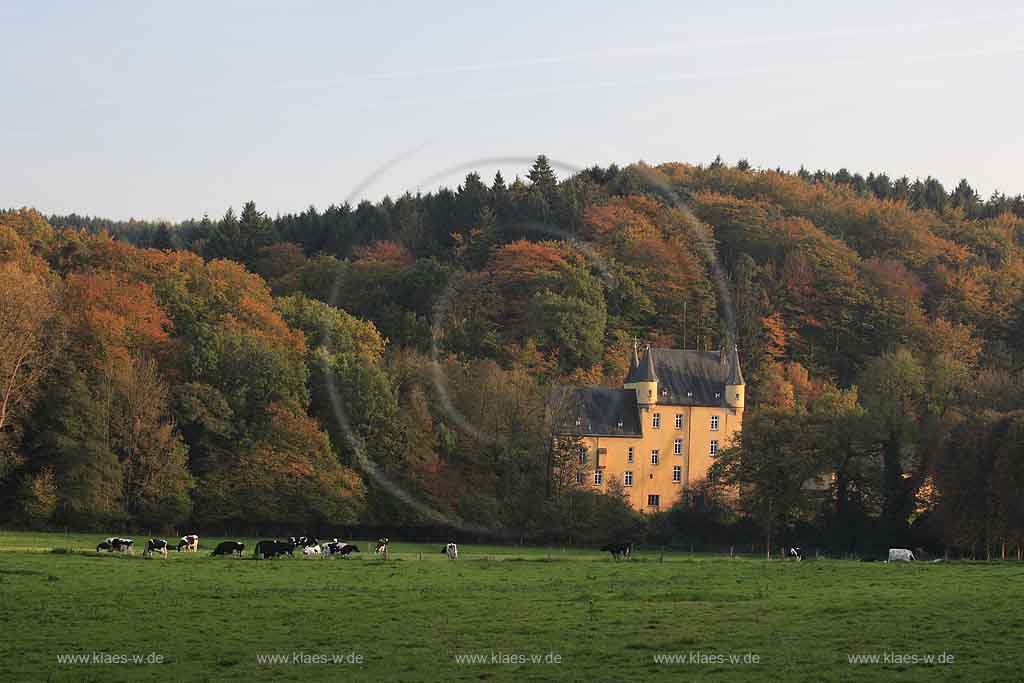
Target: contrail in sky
698,75
639,51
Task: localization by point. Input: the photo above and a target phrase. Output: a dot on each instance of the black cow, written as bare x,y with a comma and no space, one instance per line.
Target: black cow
229,548
269,549
105,546
155,545
619,550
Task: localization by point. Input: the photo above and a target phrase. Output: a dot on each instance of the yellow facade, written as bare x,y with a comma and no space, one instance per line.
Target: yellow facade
659,433
610,455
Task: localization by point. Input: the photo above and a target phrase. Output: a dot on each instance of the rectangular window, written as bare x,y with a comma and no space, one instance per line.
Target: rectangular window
679,421
583,456
579,477
714,446
714,423
629,454
653,501
677,474
627,478
656,421
677,447
655,456
598,477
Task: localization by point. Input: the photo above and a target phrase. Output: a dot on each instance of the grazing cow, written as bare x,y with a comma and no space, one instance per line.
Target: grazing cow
311,550
189,544
229,548
270,549
106,545
796,554
451,550
382,547
155,545
619,550
900,555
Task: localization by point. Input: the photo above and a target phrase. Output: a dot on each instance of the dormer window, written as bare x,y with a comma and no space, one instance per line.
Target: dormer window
718,395
579,421
689,394
620,424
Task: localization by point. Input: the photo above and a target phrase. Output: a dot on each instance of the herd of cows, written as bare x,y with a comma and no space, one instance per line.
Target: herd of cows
309,546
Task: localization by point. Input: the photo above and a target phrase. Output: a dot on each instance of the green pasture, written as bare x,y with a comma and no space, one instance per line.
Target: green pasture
505,613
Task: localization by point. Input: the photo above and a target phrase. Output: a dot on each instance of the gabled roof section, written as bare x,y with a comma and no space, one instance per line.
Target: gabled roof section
692,378
595,411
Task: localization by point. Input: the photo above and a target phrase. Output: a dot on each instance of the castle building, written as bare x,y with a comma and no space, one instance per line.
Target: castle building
658,434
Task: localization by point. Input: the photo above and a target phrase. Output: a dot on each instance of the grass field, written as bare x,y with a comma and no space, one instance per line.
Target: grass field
419,616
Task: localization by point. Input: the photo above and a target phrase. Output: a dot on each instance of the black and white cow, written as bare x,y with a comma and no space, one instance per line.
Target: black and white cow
796,554
155,545
451,550
189,544
382,547
229,548
338,548
115,544
624,550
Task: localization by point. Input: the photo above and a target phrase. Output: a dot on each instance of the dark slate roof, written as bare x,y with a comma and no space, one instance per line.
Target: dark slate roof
643,371
595,411
692,378
735,375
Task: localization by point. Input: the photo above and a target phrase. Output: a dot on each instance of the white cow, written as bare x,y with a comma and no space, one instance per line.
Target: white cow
900,555
310,550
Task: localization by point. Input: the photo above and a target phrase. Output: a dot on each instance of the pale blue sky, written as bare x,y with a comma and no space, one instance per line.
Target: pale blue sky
170,110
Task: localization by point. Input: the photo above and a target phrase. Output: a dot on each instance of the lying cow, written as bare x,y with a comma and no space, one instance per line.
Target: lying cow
618,550
900,555
121,545
311,550
189,544
270,549
336,547
229,548
451,550
155,545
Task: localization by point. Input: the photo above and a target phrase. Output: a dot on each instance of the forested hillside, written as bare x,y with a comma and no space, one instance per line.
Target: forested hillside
200,375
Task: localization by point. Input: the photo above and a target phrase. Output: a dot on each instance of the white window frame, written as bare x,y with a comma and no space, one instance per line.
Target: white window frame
579,477
714,446
677,446
714,423
677,474
655,456
654,500
627,478
583,456
679,420
598,477
656,421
